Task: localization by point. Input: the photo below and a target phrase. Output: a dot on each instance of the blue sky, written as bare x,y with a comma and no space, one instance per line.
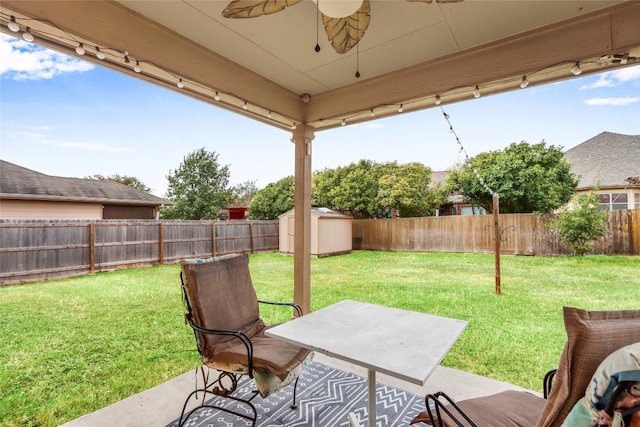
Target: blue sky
66,117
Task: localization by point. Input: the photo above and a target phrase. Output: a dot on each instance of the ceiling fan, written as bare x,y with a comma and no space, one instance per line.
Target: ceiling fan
345,21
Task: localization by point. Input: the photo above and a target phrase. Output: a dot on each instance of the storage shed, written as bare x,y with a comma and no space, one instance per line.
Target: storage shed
330,232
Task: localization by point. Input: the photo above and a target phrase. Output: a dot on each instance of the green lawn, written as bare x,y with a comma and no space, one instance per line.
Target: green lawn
73,346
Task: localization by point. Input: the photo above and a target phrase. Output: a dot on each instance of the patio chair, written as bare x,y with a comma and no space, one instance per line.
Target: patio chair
591,337
223,310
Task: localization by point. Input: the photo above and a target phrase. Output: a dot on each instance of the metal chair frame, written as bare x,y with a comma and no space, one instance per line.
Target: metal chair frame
440,401
217,387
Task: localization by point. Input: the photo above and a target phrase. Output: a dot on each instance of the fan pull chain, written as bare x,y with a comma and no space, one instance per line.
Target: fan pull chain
317,48
357,46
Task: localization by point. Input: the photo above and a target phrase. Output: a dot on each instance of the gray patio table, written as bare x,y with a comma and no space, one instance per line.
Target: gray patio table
403,344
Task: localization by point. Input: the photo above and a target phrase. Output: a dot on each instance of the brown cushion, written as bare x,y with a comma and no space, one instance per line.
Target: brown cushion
507,409
270,354
222,297
591,337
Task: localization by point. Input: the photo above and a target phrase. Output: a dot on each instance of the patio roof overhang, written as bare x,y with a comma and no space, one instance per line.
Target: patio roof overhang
266,68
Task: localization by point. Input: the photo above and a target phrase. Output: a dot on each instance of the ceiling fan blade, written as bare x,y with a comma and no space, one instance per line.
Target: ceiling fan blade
254,8
437,1
345,33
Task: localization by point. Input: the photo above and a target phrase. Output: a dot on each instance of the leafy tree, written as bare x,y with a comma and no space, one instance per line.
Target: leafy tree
273,200
130,181
528,178
367,189
407,188
581,225
198,187
353,188
241,194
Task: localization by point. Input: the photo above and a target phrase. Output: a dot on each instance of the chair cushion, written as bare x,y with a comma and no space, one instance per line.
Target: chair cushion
221,297
269,353
510,408
275,362
591,337
221,288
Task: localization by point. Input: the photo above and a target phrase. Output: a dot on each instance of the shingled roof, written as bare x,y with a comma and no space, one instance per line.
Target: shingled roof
21,183
606,160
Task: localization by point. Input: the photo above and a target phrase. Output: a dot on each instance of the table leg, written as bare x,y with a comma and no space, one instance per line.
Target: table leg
372,398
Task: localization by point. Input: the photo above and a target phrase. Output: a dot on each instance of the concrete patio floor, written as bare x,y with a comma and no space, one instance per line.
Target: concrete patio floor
162,404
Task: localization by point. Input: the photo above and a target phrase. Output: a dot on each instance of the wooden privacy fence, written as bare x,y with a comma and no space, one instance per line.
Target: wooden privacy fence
37,250
521,234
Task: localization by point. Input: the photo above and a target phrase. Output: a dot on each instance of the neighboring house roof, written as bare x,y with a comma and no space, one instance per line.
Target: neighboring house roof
440,178
606,160
320,212
21,183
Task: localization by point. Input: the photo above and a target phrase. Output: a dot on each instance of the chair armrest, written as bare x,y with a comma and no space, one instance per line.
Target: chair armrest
547,382
237,334
438,406
289,304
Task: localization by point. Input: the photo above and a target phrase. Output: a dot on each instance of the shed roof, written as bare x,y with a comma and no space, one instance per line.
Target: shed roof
607,160
17,182
322,213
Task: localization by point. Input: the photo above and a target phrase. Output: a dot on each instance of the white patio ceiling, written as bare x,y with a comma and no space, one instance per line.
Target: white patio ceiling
411,51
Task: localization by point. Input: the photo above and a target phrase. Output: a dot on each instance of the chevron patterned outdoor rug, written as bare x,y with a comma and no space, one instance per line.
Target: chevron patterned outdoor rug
325,398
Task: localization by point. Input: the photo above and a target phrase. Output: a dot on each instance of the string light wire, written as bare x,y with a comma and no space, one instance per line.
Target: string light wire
466,155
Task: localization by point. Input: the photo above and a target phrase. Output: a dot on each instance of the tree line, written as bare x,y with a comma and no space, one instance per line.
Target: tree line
529,178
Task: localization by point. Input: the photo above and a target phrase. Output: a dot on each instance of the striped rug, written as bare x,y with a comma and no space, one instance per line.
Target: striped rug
325,398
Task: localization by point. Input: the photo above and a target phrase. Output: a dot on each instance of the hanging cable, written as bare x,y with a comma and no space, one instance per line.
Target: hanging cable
317,48
467,158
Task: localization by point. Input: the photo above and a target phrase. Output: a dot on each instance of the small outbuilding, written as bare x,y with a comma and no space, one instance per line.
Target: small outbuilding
330,232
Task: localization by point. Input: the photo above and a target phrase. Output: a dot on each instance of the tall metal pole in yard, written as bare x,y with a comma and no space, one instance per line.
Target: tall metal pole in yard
496,203
496,238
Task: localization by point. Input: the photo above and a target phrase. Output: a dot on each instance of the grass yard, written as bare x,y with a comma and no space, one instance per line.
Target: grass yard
72,346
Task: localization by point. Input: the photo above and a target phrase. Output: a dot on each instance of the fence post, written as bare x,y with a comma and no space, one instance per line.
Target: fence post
496,230
213,238
251,237
92,248
160,244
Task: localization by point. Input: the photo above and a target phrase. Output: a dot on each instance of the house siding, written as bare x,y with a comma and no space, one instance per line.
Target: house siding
26,209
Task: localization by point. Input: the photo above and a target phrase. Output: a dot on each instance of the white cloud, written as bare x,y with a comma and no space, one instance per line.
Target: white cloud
21,60
628,74
43,138
615,78
96,147
612,101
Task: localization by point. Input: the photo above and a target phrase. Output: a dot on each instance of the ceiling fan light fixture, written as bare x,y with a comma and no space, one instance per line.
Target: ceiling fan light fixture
338,8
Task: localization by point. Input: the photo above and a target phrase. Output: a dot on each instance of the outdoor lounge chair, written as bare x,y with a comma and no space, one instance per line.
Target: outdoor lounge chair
591,337
223,310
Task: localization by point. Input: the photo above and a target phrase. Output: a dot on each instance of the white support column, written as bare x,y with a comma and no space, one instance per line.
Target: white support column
302,137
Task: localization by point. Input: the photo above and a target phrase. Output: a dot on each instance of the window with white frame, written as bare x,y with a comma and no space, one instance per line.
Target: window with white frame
614,201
